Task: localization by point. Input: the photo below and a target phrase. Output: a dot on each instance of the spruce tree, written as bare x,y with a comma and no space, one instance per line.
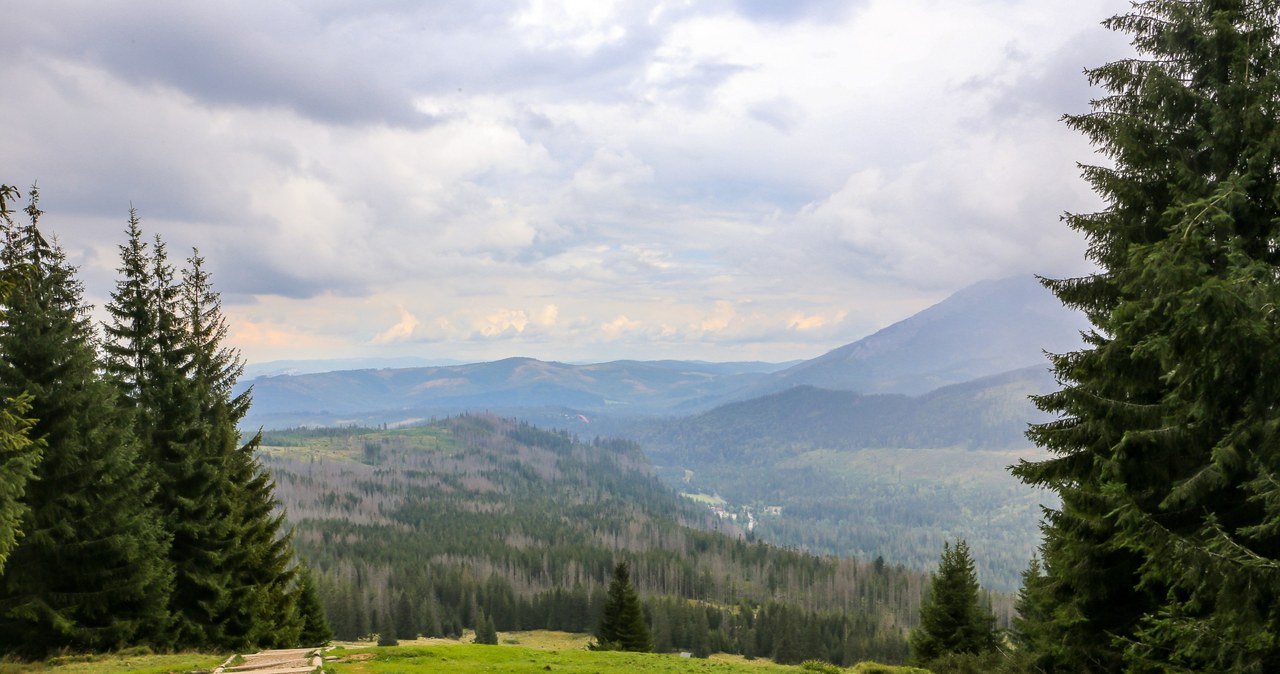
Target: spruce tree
953,619
89,572
1163,554
19,455
149,354
263,594
622,625
486,633
315,625
18,452
1034,648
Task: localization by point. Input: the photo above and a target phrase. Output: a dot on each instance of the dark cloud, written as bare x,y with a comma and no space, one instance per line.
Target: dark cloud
243,272
323,61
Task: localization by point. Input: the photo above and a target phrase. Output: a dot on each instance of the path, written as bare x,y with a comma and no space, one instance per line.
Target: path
289,661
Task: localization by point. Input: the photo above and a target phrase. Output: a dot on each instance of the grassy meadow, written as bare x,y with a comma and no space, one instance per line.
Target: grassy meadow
537,651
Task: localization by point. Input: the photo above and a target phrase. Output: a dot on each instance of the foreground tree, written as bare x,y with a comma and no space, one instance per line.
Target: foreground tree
953,619
263,591
622,626
148,353
18,452
1165,552
89,572
233,560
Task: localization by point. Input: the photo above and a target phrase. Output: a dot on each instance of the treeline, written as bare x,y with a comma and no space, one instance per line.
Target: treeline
143,520
424,530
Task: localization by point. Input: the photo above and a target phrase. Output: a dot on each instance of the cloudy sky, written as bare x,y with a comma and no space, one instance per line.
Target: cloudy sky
564,179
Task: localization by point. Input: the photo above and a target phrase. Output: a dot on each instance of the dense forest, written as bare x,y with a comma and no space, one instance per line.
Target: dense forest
838,472
424,530
131,514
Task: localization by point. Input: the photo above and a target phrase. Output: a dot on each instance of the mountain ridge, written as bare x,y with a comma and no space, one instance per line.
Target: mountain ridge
986,329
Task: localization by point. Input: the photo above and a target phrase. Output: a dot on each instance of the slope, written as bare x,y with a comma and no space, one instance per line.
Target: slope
425,530
892,475
985,329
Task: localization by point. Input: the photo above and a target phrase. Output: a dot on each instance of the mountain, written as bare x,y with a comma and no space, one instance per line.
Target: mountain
399,395
982,330
272,368
987,413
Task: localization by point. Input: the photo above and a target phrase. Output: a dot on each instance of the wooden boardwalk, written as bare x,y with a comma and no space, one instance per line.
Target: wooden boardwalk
289,661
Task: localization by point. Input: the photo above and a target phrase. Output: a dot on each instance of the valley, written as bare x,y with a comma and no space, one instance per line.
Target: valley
883,448
426,530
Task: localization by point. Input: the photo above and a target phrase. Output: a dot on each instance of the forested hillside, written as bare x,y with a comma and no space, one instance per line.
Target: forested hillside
425,530
892,475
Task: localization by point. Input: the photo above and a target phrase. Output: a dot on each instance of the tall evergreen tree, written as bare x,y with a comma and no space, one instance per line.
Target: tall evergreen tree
89,572
18,452
262,609
149,354
1164,552
953,619
622,625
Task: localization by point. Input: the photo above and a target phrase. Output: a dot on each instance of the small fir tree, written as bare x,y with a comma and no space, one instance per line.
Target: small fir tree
952,617
486,632
315,625
622,626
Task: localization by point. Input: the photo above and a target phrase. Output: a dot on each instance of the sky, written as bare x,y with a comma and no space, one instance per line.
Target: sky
574,180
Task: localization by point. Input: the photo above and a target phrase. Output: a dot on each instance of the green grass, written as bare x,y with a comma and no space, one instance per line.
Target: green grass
507,659
533,652
116,663
706,499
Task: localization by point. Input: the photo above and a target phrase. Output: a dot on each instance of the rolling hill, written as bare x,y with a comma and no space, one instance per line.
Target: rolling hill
987,329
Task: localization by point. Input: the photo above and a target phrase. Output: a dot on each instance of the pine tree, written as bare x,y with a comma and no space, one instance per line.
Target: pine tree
1034,648
19,454
149,355
622,625
486,633
405,623
315,626
1163,554
952,617
89,572
263,592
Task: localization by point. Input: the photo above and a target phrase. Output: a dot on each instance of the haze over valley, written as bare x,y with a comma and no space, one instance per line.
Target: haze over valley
885,447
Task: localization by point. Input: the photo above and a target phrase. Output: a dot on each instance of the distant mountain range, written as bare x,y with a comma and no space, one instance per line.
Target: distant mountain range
887,446
986,329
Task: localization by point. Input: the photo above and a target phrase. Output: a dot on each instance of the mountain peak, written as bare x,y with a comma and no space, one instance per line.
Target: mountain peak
984,329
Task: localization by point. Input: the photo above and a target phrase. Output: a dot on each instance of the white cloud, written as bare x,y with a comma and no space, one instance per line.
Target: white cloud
401,331
562,179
